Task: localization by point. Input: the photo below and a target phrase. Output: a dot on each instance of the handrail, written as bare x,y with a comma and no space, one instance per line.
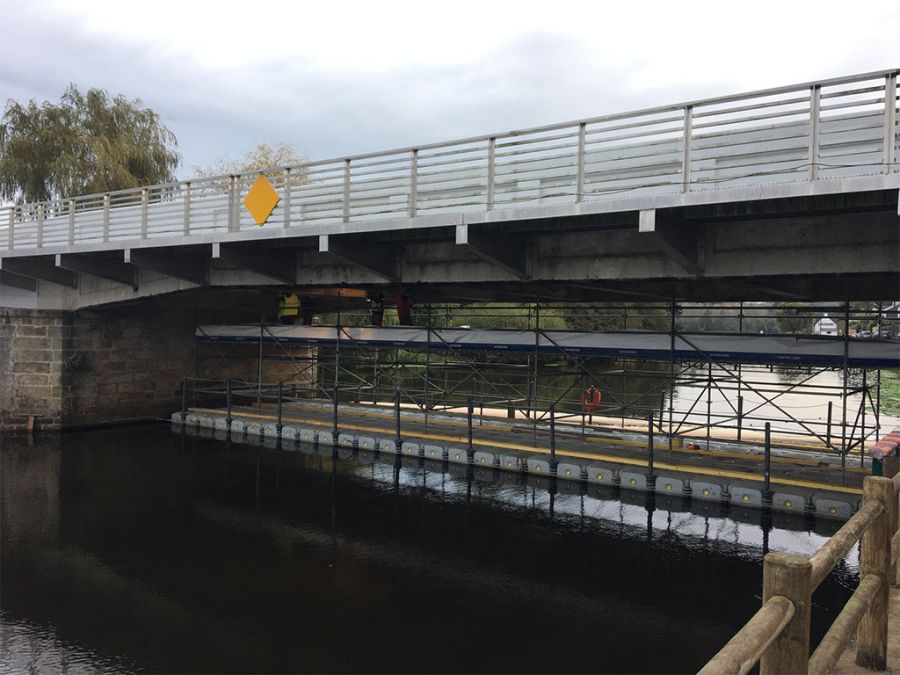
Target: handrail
794,578
667,152
835,641
840,543
747,646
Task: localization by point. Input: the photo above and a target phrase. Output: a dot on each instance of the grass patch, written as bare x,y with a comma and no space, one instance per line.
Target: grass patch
890,392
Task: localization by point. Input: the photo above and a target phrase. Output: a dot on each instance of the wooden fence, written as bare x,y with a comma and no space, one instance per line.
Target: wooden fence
777,636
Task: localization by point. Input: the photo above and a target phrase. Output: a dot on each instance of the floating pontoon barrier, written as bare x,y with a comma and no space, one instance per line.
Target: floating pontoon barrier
704,496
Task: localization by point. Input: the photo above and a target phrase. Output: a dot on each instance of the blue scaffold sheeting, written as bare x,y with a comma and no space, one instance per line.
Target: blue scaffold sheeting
739,348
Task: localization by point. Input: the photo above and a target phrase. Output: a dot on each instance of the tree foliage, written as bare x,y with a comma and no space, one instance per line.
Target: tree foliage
606,316
262,157
87,143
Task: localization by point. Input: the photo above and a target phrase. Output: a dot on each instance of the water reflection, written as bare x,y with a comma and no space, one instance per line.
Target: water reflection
144,550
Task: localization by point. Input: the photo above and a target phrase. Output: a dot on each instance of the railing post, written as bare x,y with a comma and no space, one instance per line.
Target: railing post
890,121
828,426
230,190
279,424
397,438
71,222
40,225
145,208
815,98
492,147
767,465
11,231
413,183
651,478
184,389
891,467
686,157
106,217
579,169
875,558
228,404
346,190
187,208
286,202
553,462
788,575
236,203
740,417
470,453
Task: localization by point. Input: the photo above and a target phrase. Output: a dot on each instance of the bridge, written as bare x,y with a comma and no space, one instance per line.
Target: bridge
788,193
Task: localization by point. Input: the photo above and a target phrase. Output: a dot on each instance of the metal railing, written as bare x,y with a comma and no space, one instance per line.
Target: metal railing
777,636
817,130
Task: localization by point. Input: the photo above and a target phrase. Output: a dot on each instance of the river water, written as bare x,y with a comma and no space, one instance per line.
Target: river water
139,549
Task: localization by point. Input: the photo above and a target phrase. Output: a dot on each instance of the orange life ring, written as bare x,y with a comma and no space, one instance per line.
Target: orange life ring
590,402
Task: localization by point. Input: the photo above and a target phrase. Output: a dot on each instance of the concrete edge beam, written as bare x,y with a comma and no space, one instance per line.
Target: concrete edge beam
679,241
186,267
14,280
377,259
105,268
275,264
42,268
507,253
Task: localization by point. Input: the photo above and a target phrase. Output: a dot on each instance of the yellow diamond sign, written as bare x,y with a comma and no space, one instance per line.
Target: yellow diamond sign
261,200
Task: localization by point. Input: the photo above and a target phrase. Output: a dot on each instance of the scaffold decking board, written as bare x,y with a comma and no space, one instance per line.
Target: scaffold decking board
726,347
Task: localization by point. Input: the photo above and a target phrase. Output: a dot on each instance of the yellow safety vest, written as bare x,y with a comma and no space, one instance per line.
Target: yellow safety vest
288,306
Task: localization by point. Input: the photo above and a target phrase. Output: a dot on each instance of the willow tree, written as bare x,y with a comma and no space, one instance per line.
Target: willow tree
87,143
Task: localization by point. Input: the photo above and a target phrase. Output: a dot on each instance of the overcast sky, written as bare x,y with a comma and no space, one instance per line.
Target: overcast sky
337,78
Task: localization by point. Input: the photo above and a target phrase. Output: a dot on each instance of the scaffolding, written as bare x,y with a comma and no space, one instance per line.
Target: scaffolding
699,393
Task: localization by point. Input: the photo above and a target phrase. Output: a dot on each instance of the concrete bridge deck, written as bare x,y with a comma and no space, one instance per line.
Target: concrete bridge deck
774,184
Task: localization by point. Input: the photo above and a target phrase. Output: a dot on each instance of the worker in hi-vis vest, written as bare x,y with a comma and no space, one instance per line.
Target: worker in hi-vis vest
288,307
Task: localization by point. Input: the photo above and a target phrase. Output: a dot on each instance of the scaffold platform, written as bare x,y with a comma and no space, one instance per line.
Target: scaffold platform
801,350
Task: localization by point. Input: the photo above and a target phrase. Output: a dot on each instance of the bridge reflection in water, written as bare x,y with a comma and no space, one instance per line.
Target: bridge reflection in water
141,549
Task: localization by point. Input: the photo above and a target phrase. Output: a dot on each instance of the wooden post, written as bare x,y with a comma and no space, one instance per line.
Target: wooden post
789,575
875,558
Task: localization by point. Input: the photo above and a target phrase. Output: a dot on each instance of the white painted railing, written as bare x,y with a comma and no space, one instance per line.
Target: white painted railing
830,129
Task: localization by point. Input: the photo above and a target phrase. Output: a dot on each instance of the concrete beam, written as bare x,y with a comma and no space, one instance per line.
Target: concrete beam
679,241
105,268
185,266
507,253
280,266
377,259
14,280
795,290
40,267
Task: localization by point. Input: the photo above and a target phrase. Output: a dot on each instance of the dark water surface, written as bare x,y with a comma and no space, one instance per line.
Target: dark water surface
137,549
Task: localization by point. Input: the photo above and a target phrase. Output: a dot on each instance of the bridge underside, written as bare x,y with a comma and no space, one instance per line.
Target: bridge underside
820,247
